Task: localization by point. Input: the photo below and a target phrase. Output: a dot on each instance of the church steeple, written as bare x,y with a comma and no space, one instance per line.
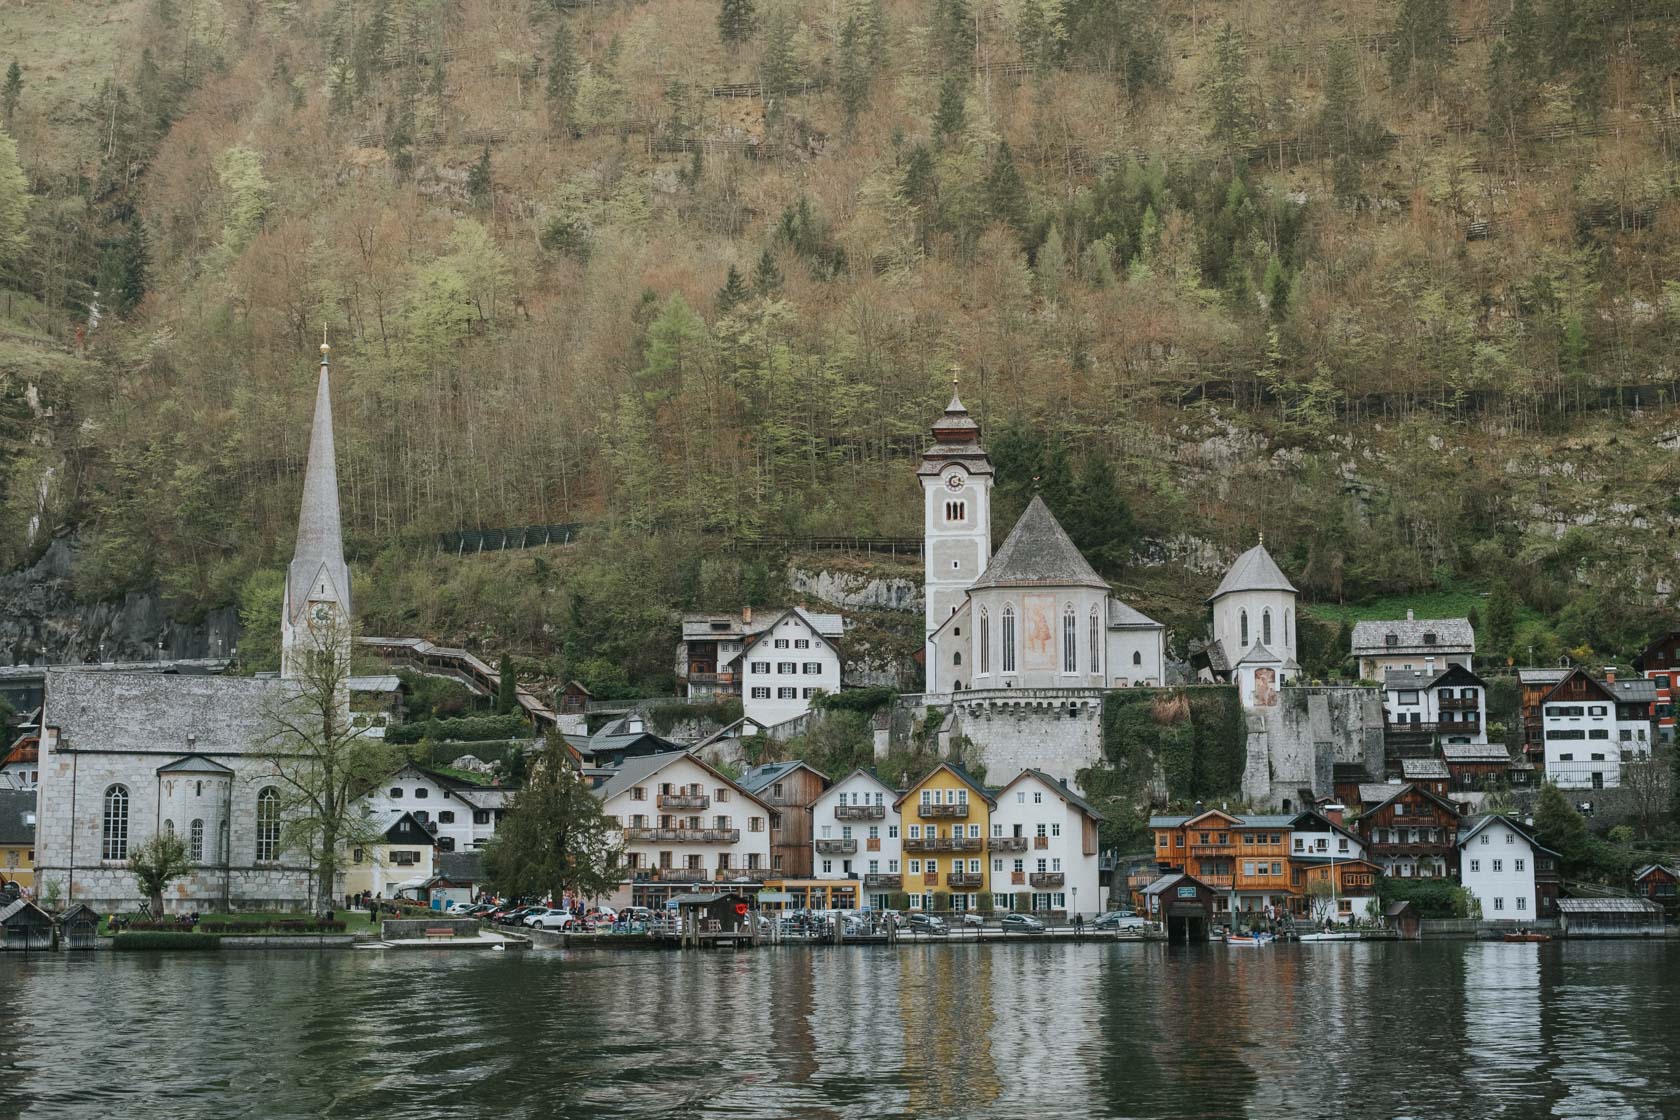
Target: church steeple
317,598
956,478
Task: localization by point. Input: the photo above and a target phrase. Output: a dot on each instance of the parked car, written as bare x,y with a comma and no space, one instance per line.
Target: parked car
974,920
1021,923
927,923
545,917
513,916
1118,919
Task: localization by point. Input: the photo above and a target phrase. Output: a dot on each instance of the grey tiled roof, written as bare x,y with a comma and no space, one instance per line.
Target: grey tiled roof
1635,691
155,713
320,545
1124,617
1259,654
754,780
1218,661
1542,676
1038,552
634,771
1411,768
1452,635
1255,570
1475,752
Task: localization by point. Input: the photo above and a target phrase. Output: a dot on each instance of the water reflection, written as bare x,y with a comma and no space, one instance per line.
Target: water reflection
1020,1030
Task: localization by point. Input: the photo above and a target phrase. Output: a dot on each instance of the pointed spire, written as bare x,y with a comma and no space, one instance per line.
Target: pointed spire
317,570
956,426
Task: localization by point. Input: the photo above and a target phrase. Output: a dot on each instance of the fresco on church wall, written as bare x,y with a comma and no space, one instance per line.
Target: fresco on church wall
1037,612
1265,688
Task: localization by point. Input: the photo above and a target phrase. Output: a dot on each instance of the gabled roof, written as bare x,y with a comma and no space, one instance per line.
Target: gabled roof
1468,829
20,911
637,770
1450,676
754,780
1255,570
194,764
1475,752
728,731
1405,788
886,786
1413,769
959,773
1452,635
1038,553
1259,655
1322,823
1651,869
1172,880
820,626
390,820
1123,617
1542,676
1597,685
1634,690
1057,787
1217,659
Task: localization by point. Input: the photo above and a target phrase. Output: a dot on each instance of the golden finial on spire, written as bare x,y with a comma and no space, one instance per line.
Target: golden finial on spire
1262,538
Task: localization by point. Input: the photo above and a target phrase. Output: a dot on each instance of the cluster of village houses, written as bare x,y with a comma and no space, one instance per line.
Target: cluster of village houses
116,757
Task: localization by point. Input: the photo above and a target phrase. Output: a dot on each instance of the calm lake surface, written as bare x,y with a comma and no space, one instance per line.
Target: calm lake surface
1441,1029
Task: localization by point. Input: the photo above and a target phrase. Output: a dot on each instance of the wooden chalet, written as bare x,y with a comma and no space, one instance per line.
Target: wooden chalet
1657,882
1426,773
1245,857
1412,833
790,789
1659,663
1355,885
1474,766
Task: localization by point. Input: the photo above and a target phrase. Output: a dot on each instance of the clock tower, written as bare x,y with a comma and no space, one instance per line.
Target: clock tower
956,477
315,619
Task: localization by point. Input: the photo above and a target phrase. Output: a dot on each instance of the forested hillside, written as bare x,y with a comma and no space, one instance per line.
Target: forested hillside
1395,283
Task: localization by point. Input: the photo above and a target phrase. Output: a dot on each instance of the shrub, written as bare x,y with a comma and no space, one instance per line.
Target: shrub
866,700
666,714
469,729
158,940
898,900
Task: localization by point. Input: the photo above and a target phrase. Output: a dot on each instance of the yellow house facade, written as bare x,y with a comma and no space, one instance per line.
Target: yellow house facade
404,852
945,819
17,837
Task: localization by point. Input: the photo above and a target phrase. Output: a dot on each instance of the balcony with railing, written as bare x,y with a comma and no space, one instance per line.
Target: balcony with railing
684,801
931,811
881,881
860,812
743,874
709,676
685,835
963,880
681,874
943,844
1047,880
837,847
1460,704
1007,843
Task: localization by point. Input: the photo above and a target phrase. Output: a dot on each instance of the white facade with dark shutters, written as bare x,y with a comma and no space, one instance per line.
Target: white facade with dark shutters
785,665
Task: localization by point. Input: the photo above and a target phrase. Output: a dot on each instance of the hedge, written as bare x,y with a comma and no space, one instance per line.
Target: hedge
286,925
866,700
150,939
470,729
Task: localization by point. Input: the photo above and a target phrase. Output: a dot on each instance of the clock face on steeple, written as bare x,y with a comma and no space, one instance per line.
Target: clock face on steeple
954,481
320,614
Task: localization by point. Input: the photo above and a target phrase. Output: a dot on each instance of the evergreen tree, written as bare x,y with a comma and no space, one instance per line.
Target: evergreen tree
480,186
954,33
11,92
696,168
1560,827
562,77
920,188
1503,92
14,207
1006,193
1522,32
1227,96
123,268
506,685
767,278
778,68
1501,619
1102,524
734,291
1029,35
1341,120
950,118
1423,46
872,22
1051,266
854,73
735,22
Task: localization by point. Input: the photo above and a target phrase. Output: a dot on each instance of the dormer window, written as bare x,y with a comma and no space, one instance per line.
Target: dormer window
1428,639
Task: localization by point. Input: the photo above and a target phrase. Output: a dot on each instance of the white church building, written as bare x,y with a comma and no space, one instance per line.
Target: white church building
1253,642
127,755
1035,615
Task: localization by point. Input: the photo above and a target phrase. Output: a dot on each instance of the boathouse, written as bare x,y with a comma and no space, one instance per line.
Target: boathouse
79,927
1183,905
1610,917
23,925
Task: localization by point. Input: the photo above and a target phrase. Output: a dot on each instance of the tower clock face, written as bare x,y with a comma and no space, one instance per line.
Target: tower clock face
953,482
321,614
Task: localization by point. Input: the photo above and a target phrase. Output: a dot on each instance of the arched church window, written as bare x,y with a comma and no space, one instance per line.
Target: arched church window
169,828
1266,626
115,835
1070,641
195,841
1096,642
268,825
985,643
1287,640
1245,629
1137,657
956,657
1009,637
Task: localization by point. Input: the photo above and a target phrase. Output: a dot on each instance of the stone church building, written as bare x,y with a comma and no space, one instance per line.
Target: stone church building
127,755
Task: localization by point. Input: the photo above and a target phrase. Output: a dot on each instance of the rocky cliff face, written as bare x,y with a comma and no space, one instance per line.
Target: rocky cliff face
41,620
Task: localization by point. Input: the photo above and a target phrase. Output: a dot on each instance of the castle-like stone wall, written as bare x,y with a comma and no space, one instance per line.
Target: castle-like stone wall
1295,744
1058,734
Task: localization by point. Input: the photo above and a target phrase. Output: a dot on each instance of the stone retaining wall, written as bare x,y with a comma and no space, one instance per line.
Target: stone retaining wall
401,929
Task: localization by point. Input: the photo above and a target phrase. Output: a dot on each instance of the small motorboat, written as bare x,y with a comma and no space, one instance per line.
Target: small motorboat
1256,939
1334,935
1525,935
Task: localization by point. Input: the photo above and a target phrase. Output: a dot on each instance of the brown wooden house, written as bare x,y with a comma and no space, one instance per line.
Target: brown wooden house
1657,883
1473,766
1414,833
790,789
1660,664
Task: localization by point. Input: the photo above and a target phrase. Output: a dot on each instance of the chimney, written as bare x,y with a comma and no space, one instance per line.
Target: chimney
192,743
746,616
1333,813
1609,674
1409,617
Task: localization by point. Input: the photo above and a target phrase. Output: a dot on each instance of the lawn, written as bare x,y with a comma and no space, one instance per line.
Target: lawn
1456,602
355,921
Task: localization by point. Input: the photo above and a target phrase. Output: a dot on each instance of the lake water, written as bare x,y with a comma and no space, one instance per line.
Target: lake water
1438,1029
